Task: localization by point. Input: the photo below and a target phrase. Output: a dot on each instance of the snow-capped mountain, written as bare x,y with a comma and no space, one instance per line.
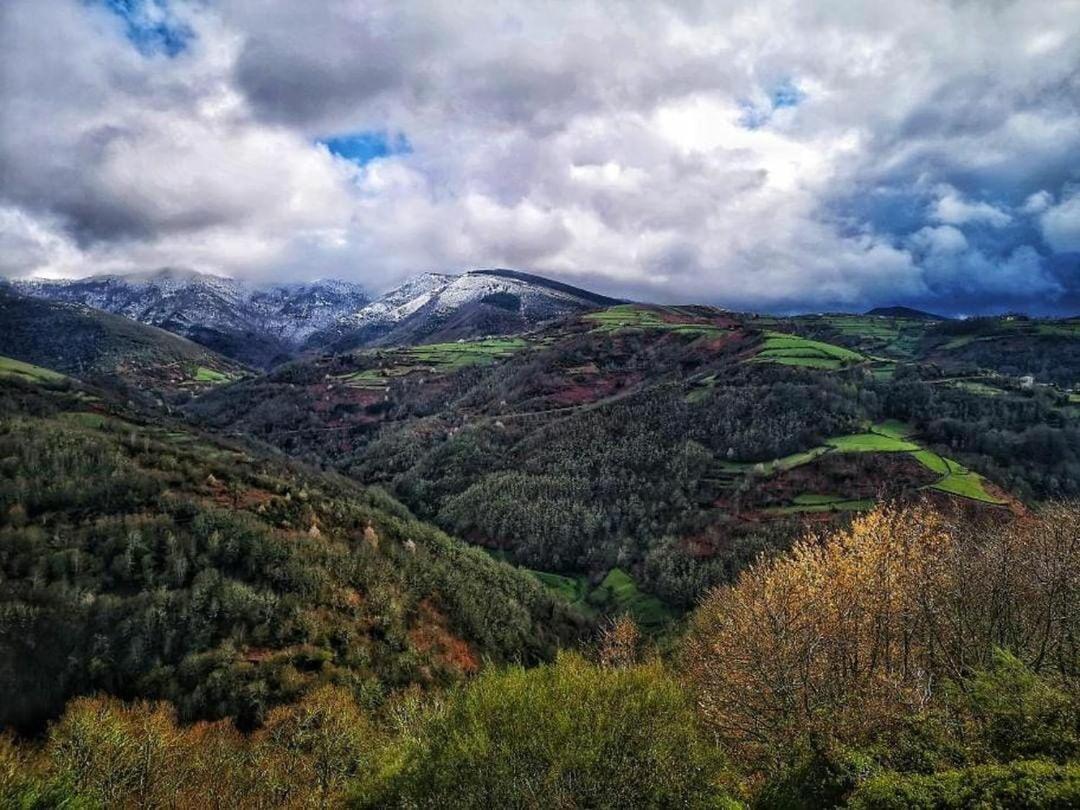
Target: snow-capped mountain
438,306
262,325
258,324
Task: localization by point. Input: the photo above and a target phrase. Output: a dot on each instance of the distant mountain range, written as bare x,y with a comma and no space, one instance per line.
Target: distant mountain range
262,325
256,324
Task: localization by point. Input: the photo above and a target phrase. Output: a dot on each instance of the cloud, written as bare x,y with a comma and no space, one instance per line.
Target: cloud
1061,223
944,240
952,208
781,156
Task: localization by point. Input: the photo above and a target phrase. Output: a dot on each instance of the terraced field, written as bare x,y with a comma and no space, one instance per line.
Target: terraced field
885,437
433,358
978,388
894,337
956,479
791,350
204,374
812,502
633,316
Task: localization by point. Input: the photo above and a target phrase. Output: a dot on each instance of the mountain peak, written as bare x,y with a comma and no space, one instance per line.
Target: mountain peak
434,307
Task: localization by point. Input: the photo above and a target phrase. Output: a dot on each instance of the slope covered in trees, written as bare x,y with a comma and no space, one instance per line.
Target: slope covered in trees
671,442
915,659
144,560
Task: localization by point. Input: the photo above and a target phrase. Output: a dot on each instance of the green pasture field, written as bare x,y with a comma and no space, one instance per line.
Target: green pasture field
25,371
442,358
633,316
209,375
791,350
890,436
616,593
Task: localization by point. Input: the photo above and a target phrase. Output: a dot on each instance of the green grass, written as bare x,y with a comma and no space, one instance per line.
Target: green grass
871,443
839,505
966,484
616,593
439,358
451,356
896,337
634,316
368,378
956,479
791,350
890,436
978,388
208,375
573,589
774,465
933,462
894,428
813,498
620,593
25,371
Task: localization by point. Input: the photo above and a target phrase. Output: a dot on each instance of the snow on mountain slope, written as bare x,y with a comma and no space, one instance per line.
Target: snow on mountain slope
262,325
257,324
437,306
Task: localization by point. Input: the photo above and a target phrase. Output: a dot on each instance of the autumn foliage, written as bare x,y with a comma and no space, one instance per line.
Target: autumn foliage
850,636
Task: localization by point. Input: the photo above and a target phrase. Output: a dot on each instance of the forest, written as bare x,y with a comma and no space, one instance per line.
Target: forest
145,560
635,443
914,659
663,557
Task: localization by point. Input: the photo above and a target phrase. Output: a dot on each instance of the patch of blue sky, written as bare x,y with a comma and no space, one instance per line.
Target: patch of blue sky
786,94
363,147
783,95
150,25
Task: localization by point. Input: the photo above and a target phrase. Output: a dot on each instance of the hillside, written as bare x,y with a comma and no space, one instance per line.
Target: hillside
140,558
258,324
671,444
76,340
433,308
904,312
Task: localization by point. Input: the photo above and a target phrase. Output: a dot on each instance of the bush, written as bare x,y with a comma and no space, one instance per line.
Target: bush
1021,785
571,734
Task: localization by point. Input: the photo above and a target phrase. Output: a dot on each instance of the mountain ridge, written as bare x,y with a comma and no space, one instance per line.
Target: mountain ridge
263,325
258,324
434,307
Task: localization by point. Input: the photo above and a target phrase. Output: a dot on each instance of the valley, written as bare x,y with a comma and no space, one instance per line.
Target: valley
357,525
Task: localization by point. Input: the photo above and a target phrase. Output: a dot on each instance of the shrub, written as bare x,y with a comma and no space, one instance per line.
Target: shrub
571,734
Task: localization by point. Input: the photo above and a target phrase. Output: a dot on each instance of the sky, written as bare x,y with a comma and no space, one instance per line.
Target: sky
778,155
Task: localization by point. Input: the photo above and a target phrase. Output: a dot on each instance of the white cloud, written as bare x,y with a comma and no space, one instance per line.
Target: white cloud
1037,203
941,240
953,209
599,141
1061,224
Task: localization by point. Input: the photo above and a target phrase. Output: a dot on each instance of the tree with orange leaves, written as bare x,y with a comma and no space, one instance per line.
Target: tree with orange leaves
849,635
